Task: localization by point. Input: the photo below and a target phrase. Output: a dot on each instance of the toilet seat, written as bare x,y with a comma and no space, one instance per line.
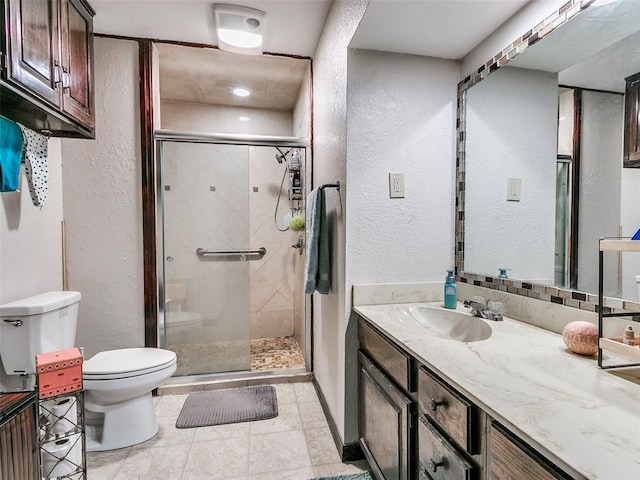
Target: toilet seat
126,363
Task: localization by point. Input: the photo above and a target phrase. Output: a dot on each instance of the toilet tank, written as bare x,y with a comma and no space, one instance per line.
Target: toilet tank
39,324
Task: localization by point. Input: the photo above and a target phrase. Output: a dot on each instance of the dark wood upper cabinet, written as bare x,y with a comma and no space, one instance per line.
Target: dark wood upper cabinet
632,122
47,65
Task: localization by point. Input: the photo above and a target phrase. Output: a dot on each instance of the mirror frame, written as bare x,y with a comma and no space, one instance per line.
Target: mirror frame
548,293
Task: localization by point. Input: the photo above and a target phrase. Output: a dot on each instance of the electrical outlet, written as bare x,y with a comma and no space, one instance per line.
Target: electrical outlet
396,185
514,186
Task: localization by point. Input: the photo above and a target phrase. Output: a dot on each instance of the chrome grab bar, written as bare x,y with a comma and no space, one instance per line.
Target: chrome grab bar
242,254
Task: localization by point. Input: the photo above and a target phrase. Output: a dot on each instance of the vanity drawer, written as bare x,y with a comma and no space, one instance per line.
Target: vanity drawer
510,458
394,362
437,459
452,413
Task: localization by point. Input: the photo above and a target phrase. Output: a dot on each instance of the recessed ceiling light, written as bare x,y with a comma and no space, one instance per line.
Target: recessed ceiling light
241,91
244,119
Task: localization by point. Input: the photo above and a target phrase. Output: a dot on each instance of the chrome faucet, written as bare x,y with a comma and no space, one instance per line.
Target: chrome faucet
480,309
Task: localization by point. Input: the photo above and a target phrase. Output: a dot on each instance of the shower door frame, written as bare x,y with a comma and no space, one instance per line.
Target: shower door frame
220,139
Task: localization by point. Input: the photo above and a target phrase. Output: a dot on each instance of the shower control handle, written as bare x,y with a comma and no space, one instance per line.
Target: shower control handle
298,244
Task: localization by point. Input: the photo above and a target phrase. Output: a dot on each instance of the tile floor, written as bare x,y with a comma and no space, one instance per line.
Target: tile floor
296,445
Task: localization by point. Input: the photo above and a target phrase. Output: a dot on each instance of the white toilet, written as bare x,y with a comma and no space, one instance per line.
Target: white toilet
638,284
118,383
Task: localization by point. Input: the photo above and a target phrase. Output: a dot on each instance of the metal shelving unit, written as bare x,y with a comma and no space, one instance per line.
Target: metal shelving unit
615,345
62,437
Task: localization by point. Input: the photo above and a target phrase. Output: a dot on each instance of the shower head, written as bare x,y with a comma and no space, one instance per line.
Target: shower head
281,156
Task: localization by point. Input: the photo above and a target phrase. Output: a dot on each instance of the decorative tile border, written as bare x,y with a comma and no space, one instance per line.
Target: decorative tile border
561,296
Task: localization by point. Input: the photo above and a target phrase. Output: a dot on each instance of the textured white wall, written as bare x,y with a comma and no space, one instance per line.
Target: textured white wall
103,207
330,153
30,242
499,233
401,119
30,237
600,176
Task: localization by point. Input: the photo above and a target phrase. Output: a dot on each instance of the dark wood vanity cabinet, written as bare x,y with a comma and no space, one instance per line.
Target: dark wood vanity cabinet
386,407
632,122
415,425
47,65
18,439
385,423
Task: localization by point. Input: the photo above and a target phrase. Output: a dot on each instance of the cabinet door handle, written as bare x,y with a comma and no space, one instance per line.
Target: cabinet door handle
66,82
434,404
56,75
435,464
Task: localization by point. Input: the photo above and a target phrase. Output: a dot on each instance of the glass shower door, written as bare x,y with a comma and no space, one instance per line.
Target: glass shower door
205,205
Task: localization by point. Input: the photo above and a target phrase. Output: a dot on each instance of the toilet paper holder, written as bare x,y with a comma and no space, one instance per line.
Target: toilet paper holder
62,436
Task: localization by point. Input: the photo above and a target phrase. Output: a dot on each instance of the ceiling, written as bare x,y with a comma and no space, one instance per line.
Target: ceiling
293,26
434,28
437,28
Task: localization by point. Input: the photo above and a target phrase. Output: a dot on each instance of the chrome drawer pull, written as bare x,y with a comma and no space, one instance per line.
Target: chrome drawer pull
434,464
434,404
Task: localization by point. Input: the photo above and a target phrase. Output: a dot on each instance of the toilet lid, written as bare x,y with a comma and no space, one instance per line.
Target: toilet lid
126,362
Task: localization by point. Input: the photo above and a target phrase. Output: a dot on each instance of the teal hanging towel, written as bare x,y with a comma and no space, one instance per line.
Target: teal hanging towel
10,154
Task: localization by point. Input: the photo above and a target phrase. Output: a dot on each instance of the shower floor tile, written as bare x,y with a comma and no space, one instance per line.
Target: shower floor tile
280,353
267,354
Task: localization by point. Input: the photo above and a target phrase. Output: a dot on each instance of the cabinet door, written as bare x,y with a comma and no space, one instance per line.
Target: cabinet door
385,424
76,37
32,47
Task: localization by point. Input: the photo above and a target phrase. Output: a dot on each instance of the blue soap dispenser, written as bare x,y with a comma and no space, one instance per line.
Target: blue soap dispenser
450,290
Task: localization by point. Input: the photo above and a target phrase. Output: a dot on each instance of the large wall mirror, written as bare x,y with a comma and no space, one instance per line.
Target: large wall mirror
541,162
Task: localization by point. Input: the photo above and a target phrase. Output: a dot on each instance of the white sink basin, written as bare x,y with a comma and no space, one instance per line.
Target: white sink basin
446,324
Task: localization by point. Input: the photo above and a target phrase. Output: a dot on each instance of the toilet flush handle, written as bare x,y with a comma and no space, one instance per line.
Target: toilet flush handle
14,322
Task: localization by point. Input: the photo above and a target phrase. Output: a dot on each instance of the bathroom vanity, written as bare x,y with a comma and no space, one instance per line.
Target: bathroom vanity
515,405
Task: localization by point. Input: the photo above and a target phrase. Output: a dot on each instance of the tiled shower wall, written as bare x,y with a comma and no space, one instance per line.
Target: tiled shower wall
275,280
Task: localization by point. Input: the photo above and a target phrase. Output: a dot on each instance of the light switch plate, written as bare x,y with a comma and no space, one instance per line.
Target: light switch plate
514,187
396,185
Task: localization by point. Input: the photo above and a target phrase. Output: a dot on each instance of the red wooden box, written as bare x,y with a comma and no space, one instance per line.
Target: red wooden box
59,372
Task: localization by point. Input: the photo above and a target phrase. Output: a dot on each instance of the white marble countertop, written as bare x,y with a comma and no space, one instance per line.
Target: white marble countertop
583,418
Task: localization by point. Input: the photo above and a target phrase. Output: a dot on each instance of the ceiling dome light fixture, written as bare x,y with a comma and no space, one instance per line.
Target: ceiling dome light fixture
239,29
241,91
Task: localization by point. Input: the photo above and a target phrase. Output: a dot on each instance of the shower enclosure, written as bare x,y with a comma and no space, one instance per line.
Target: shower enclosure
231,283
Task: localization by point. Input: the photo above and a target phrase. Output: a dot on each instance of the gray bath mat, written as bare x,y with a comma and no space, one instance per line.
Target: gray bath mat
353,476
234,405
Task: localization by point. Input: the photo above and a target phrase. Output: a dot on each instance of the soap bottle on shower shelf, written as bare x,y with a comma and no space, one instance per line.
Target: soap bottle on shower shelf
628,336
450,290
